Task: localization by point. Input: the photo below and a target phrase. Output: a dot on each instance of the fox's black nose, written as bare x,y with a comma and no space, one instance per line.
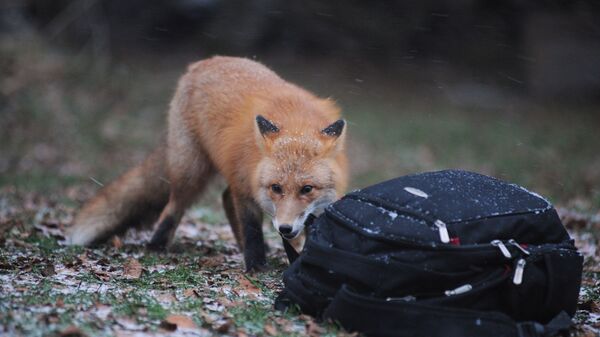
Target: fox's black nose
285,229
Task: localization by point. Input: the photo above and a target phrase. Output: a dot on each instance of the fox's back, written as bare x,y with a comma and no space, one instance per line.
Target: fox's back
232,74
224,95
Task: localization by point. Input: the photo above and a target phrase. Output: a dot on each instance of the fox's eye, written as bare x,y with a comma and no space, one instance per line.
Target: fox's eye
276,188
306,189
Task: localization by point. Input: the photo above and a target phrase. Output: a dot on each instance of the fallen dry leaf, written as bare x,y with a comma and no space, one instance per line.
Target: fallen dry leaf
284,324
246,285
181,321
166,297
224,301
270,330
224,326
132,269
20,243
72,331
586,332
212,305
102,275
82,258
207,317
192,293
48,270
164,325
590,306
573,219
116,242
129,324
313,329
212,261
102,311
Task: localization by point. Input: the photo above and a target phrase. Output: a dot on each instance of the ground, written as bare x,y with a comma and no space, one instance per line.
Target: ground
199,289
70,122
122,289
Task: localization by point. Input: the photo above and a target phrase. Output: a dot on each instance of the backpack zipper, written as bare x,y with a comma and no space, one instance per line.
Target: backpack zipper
439,224
343,220
516,244
444,236
520,268
503,248
518,278
460,290
407,298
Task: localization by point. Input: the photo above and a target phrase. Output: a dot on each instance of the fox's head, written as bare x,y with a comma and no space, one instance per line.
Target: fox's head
302,169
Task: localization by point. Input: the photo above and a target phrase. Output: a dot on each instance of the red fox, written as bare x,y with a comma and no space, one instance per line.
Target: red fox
279,148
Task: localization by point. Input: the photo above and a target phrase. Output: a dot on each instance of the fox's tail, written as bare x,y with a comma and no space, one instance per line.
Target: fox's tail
136,198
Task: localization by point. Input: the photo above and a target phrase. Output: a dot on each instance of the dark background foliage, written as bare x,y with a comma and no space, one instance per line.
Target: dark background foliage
540,48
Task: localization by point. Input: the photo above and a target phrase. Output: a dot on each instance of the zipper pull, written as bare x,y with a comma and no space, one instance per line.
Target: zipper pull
518,278
516,244
408,298
460,290
502,247
444,236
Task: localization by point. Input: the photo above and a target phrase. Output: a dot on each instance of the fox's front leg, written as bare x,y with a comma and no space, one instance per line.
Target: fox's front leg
246,217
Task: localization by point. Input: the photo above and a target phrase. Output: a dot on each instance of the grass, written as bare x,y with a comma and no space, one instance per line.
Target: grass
47,288
535,151
145,301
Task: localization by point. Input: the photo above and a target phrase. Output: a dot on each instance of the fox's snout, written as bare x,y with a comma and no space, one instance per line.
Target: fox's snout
285,229
289,230
290,224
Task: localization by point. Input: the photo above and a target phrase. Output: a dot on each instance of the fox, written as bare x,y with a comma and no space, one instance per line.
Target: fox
279,148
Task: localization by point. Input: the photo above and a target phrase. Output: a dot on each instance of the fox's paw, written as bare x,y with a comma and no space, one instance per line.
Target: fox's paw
255,262
256,268
157,244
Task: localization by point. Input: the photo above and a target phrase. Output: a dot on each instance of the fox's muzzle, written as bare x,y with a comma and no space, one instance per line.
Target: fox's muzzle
287,231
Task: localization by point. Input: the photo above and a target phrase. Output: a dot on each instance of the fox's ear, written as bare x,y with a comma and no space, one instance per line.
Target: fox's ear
265,132
335,129
334,136
265,126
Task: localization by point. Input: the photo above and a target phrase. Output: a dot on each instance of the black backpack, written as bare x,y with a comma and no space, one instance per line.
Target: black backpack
449,253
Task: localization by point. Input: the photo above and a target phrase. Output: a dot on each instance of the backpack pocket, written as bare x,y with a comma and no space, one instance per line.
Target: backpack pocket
475,292
373,219
547,284
460,207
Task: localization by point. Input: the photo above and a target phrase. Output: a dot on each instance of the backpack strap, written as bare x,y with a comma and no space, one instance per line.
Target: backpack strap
291,253
376,317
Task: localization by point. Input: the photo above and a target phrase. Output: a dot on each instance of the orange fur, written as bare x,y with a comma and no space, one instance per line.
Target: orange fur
212,128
